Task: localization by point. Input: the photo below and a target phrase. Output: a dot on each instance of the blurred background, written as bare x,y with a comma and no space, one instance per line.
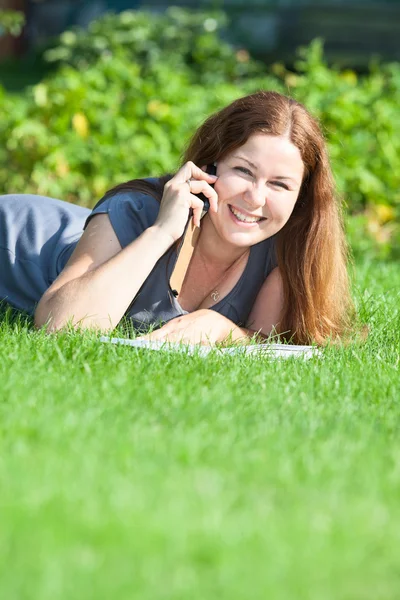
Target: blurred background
99,91
353,30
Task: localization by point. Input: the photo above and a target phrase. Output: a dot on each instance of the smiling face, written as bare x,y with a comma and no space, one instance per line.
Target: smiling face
258,185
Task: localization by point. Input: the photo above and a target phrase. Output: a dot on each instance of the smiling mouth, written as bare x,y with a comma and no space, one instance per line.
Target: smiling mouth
244,218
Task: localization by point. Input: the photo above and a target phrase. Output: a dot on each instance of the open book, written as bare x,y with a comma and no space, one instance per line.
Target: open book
267,349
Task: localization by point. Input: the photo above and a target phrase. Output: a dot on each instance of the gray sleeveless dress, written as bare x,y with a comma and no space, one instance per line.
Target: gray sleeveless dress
39,234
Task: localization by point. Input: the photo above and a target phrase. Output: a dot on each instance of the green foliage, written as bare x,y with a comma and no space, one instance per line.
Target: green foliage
128,93
361,119
11,21
107,116
179,39
74,135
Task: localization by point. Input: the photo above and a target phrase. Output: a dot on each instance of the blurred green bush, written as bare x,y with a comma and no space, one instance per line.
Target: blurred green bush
11,21
179,39
126,95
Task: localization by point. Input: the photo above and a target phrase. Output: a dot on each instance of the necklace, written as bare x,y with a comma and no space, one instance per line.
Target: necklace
215,294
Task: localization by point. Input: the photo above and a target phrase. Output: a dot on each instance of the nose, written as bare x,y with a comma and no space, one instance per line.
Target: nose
255,196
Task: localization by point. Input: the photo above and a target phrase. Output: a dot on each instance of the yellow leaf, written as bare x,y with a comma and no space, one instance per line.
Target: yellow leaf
349,76
384,213
62,167
153,107
57,164
40,94
156,108
100,185
291,80
80,124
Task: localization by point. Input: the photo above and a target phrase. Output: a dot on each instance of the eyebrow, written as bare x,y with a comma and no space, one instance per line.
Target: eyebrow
279,177
245,160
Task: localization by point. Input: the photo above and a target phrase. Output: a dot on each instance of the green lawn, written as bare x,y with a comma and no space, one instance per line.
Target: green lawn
127,474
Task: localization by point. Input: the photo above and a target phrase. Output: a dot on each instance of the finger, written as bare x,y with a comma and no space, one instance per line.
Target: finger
159,334
173,331
155,336
152,336
192,171
197,206
167,337
202,187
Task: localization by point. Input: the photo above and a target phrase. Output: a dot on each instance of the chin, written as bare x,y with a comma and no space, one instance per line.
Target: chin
244,240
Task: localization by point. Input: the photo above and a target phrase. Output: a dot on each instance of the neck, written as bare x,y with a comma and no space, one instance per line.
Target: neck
214,250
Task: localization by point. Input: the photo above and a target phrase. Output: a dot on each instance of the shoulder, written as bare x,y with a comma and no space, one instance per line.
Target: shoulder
132,200
135,205
130,213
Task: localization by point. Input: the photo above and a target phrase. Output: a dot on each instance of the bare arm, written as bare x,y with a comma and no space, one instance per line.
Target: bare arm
205,326
100,279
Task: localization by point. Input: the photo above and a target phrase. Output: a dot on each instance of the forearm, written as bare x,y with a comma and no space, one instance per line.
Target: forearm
99,298
203,326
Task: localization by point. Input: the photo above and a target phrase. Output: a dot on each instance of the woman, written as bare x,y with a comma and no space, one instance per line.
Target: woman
269,258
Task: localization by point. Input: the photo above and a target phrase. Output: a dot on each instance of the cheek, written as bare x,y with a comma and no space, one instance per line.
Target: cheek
222,189
227,186
281,209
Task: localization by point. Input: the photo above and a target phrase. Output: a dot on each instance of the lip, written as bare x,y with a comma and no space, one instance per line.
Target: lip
247,214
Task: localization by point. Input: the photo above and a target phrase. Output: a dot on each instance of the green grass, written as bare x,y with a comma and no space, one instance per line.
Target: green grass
126,474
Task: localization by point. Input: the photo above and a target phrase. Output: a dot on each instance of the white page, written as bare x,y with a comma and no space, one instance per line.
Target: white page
267,349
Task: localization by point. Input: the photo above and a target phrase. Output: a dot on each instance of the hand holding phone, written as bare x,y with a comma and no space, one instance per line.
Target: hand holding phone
180,201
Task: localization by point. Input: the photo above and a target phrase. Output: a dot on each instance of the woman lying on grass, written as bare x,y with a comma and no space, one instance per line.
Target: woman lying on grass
270,256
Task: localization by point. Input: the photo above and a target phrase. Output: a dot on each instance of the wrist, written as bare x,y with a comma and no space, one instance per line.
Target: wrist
164,239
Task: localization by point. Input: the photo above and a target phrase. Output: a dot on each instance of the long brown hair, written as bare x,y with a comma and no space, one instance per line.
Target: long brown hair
311,247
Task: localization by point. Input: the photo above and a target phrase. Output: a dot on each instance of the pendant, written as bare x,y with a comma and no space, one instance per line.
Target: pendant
215,296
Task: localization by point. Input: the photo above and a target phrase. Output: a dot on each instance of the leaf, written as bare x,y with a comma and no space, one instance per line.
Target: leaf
80,124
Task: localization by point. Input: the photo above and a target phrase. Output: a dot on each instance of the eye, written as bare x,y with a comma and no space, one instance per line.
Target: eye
244,170
280,184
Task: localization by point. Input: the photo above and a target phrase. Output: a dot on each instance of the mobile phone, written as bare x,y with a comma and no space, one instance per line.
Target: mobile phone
211,170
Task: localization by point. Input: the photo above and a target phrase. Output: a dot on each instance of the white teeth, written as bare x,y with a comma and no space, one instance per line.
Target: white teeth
243,217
